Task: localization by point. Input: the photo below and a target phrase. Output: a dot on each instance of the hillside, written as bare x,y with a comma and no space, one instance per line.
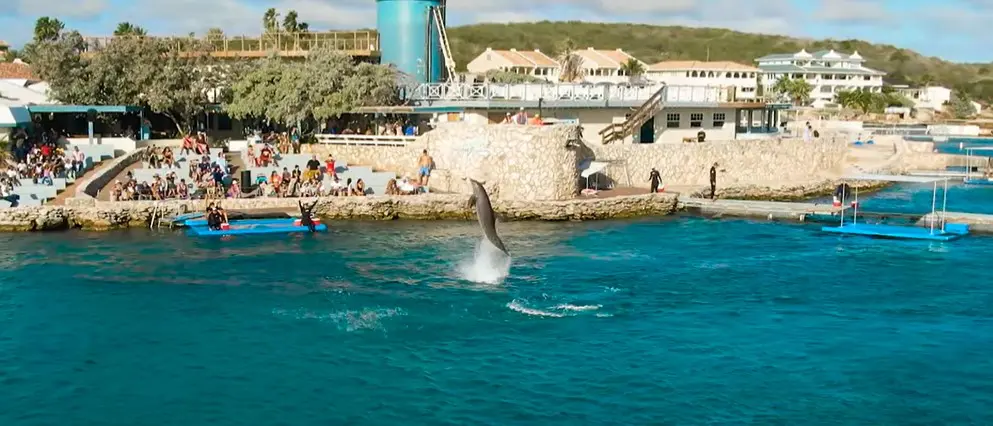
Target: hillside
654,43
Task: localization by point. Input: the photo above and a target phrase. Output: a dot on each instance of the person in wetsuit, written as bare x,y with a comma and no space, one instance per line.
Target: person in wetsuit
307,217
713,181
841,192
655,179
214,219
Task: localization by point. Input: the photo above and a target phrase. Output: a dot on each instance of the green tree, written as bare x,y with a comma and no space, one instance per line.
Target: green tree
47,29
797,90
571,64
215,34
633,68
325,85
961,106
292,25
270,21
128,29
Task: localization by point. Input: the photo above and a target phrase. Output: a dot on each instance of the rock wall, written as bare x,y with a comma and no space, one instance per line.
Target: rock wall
118,215
763,163
525,163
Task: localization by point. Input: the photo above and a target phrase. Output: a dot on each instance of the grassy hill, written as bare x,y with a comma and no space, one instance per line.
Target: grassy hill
652,43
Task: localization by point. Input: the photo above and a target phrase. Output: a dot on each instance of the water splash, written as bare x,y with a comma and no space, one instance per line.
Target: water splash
489,265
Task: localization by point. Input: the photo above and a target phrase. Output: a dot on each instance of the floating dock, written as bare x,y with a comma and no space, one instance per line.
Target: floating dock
758,209
823,213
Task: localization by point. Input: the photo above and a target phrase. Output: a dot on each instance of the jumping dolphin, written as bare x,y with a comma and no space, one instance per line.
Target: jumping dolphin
484,211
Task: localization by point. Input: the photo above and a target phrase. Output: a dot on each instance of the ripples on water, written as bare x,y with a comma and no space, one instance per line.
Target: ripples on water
672,321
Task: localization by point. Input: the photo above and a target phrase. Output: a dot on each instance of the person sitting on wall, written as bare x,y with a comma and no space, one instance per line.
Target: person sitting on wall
701,136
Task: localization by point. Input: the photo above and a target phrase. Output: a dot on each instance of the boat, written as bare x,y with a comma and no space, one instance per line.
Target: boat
977,178
198,227
936,230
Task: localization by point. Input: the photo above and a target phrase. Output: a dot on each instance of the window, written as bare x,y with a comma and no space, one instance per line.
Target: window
672,120
719,118
696,119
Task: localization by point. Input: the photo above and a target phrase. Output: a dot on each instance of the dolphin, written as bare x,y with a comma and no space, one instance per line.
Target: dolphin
484,211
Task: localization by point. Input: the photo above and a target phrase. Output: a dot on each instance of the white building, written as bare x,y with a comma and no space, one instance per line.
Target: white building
605,66
933,97
743,78
829,72
533,63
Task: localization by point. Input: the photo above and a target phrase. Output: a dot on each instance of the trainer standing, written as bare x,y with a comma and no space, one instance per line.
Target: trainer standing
655,179
713,181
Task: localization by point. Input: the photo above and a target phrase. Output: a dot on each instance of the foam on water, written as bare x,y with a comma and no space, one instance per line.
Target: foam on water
488,265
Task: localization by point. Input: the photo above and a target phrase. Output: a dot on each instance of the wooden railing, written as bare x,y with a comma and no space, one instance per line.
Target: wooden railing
618,131
366,140
358,43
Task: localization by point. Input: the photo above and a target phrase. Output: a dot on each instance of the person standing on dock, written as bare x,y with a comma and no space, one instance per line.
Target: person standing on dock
713,181
655,179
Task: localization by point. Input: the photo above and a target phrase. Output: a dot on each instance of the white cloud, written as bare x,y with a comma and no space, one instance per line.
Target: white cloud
65,8
854,12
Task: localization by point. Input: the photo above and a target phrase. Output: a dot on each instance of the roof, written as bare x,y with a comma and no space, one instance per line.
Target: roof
538,58
700,65
16,91
782,68
818,55
14,70
895,178
4,44
603,58
81,108
513,57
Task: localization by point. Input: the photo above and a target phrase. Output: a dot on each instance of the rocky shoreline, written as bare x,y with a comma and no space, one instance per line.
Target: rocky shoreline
103,216
91,215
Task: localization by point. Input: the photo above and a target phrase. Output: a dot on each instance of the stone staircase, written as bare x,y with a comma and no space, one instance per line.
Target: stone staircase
618,131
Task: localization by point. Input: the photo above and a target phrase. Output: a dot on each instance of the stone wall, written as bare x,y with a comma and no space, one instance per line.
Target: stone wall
524,163
92,185
118,215
764,163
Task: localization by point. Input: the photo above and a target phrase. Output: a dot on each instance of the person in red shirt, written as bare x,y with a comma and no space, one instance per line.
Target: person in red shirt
46,151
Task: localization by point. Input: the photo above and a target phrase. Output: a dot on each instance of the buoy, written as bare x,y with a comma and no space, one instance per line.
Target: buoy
225,226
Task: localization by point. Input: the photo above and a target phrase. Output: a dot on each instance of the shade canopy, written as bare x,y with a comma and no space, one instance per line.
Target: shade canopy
14,116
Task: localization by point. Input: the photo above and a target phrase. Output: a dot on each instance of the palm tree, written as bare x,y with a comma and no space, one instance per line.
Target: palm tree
129,29
571,65
270,21
926,80
48,29
798,90
633,68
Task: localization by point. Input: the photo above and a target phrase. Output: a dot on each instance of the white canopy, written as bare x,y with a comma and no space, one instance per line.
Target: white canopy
593,168
13,116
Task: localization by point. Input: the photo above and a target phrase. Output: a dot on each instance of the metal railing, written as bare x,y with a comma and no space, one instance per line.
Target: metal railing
365,140
354,42
572,92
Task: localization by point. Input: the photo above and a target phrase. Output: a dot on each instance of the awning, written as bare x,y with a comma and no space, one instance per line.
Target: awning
593,168
82,109
14,116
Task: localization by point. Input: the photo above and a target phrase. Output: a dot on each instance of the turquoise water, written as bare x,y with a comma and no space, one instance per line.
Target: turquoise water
656,321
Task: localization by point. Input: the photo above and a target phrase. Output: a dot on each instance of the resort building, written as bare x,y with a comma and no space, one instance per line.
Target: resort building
932,97
526,62
829,72
743,78
605,66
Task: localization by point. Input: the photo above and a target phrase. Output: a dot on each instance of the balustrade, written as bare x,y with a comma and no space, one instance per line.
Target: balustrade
366,140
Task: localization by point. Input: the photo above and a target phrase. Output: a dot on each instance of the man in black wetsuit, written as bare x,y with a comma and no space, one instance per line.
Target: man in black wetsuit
655,179
713,181
306,216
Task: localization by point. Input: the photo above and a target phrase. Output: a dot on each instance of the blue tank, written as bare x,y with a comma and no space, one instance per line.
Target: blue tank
409,39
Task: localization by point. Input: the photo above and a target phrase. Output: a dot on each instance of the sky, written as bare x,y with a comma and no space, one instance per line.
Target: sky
951,29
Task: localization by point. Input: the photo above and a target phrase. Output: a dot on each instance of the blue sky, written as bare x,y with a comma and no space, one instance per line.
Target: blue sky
952,29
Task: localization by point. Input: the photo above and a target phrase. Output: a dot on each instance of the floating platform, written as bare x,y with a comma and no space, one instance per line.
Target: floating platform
951,232
978,181
199,227
759,209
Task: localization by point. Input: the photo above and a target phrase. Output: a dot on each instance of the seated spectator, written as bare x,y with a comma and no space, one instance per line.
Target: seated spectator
359,189
183,190
234,191
391,187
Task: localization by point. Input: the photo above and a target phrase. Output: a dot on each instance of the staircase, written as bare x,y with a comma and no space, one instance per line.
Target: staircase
619,131
446,50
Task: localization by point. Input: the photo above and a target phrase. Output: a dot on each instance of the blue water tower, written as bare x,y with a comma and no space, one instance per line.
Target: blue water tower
408,37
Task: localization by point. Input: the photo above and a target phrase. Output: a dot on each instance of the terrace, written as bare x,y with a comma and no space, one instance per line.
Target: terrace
492,95
354,43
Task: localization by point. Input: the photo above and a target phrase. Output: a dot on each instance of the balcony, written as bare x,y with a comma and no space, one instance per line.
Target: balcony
485,95
354,43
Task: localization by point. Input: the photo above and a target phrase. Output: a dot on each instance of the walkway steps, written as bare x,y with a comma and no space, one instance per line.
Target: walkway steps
757,209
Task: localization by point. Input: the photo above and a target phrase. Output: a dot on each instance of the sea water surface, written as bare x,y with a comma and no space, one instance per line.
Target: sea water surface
656,321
